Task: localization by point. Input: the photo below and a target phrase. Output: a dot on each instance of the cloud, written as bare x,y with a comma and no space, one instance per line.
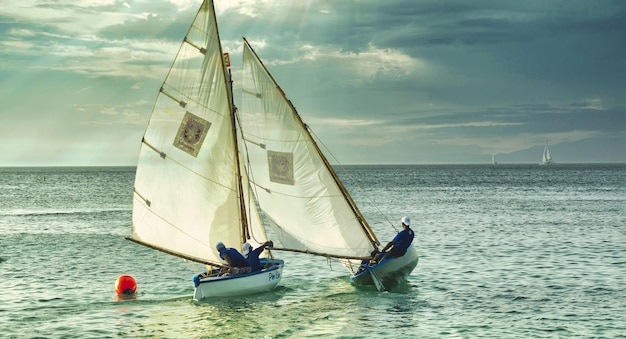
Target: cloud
451,79
364,65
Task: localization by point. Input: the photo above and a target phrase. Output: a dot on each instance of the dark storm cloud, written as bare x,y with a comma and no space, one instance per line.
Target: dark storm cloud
456,79
556,40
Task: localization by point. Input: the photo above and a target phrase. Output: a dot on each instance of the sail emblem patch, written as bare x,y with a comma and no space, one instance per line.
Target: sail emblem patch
281,167
191,134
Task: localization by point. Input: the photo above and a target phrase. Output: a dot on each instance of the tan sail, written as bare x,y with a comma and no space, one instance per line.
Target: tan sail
187,193
296,188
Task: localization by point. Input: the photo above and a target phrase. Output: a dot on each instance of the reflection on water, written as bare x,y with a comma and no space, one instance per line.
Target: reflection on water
320,309
512,252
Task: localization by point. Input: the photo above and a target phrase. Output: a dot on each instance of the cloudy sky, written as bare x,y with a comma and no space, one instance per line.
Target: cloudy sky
398,81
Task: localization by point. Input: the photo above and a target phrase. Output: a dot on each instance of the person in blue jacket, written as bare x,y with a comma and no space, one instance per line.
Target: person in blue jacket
252,255
236,262
400,243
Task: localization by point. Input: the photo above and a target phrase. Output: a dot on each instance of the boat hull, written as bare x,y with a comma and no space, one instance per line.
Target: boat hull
390,272
241,284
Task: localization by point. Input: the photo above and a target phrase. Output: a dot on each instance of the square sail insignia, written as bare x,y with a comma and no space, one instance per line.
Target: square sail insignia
191,133
281,167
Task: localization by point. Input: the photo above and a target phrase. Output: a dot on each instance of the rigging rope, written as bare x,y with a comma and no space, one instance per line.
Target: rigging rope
354,181
193,266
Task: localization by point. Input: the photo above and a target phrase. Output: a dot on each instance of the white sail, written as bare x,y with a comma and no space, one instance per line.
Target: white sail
294,184
186,194
546,157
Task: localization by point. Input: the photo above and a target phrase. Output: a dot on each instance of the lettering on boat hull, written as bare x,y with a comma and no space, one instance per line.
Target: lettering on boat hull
274,276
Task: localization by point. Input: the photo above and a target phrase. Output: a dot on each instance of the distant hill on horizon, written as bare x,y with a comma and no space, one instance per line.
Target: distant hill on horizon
592,150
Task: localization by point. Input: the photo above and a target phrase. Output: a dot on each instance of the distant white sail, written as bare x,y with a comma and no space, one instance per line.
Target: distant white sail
546,157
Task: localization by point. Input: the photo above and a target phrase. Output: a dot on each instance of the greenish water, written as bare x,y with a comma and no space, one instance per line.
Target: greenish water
507,252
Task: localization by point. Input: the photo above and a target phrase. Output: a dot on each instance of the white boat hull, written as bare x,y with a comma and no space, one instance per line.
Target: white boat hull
389,272
241,284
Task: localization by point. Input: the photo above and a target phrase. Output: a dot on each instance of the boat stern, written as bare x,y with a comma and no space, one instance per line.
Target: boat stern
239,285
390,272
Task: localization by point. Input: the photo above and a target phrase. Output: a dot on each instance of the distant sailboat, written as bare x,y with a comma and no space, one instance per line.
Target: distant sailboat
546,158
493,159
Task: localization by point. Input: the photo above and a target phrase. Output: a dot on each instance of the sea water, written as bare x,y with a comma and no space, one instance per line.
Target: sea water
511,251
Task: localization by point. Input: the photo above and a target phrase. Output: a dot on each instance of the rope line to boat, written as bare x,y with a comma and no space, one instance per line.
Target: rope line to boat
319,141
194,267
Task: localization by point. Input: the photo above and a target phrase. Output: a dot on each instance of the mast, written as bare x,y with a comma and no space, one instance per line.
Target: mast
357,213
242,202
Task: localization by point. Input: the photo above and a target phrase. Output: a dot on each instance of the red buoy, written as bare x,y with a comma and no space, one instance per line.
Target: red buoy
125,285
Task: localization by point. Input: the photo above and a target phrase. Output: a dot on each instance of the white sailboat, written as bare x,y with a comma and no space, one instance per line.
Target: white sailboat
190,189
493,159
297,189
546,158
204,166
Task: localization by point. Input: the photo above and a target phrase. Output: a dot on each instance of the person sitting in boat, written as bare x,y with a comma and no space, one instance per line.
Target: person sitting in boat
400,243
371,260
236,262
252,255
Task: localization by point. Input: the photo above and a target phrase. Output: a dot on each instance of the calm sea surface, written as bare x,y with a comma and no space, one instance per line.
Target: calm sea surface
514,251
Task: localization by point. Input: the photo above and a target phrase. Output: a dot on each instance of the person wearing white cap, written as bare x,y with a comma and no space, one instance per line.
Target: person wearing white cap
252,255
398,246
